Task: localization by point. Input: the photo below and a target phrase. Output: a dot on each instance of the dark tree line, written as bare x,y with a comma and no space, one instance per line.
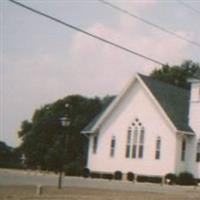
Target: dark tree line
9,157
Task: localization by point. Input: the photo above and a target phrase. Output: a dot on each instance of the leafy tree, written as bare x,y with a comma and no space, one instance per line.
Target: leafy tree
5,153
43,139
176,75
9,157
25,128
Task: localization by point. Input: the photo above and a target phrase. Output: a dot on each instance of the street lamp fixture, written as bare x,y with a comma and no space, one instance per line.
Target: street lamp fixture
64,123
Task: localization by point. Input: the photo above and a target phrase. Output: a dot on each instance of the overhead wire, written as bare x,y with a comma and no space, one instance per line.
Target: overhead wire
86,33
149,22
189,6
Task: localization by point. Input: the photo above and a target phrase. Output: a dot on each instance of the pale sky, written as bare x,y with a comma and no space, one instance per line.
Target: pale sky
42,61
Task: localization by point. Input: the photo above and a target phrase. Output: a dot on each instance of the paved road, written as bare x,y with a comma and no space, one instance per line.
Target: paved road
13,177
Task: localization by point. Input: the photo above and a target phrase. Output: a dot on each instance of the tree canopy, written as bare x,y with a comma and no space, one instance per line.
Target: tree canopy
176,75
42,138
9,157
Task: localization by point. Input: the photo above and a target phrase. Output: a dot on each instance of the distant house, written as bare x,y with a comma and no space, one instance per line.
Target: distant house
151,128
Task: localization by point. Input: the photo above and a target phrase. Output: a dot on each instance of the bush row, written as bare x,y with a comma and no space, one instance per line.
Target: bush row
183,178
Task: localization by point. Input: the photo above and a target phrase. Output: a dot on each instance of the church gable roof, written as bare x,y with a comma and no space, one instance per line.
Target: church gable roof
89,127
173,100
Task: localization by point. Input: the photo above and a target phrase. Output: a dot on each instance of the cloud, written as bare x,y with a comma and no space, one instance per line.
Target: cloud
105,69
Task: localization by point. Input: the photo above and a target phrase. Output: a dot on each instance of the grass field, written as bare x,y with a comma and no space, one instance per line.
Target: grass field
69,193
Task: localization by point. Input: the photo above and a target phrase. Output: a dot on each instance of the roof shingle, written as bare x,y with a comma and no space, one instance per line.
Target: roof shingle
173,100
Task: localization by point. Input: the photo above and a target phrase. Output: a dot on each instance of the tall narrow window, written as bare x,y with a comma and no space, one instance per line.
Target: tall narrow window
95,142
141,143
158,147
135,140
134,147
198,152
183,148
112,146
128,145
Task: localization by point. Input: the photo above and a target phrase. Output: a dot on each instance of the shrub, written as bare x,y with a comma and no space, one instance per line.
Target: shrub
73,169
118,175
86,173
95,175
107,176
198,181
150,179
171,177
142,178
186,178
130,176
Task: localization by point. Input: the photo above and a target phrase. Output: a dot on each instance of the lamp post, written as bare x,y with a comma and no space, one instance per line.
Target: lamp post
64,123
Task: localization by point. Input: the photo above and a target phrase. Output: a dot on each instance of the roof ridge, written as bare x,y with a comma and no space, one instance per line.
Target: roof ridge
162,82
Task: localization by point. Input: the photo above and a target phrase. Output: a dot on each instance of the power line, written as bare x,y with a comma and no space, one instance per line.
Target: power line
149,22
189,6
87,33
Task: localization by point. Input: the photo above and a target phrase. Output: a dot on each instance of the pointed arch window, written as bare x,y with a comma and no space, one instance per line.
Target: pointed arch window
134,146
128,145
141,143
135,140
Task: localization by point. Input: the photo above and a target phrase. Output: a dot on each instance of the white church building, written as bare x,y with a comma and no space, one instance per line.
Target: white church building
152,128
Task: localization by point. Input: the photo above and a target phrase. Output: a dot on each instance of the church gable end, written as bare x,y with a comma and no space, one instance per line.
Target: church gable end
173,101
